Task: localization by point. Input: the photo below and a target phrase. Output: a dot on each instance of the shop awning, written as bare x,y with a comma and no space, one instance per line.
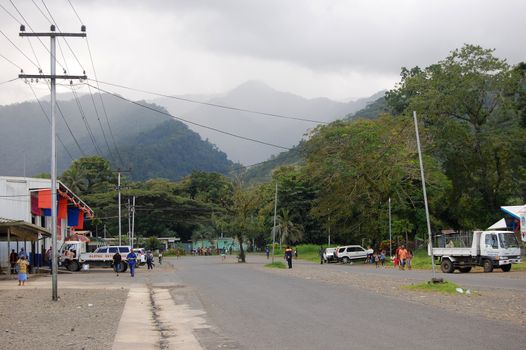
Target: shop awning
20,230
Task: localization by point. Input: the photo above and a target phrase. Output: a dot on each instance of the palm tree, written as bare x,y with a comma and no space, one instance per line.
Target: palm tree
75,179
289,231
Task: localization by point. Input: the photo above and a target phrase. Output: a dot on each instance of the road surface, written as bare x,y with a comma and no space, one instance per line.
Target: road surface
251,308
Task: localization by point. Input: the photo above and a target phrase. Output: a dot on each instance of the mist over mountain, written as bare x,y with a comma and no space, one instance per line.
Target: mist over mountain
257,96
25,145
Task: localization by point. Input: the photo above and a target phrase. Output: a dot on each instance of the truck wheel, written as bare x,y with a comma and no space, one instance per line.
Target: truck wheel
124,267
346,260
465,269
506,268
73,266
488,265
446,266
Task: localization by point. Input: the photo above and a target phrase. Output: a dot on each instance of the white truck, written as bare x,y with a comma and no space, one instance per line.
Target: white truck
72,255
489,249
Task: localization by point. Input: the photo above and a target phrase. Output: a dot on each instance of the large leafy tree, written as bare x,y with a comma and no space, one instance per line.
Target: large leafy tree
358,165
88,175
469,104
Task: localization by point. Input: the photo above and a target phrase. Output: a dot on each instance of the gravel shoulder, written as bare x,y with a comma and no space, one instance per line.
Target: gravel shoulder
491,303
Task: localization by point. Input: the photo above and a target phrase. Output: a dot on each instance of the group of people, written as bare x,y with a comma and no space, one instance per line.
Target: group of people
131,260
403,258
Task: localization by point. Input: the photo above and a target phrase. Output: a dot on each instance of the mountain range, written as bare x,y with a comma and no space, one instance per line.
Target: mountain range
154,144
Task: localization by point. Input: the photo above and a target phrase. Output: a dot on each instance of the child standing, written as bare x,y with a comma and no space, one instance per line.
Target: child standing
22,265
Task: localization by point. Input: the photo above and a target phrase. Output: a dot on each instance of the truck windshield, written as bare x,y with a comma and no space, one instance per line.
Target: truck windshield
508,240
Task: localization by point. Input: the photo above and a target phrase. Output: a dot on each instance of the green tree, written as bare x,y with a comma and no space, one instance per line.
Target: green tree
89,175
471,124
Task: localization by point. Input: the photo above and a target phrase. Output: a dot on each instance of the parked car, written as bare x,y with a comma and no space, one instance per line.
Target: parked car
329,256
346,254
141,255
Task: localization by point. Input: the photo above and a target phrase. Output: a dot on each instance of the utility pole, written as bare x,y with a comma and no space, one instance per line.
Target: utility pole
133,221
53,77
104,232
274,227
329,242
390,240
128,206
119,189
430,245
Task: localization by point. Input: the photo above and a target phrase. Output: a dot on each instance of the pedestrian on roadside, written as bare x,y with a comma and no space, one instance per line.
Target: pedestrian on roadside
22,265
49,255
132,259
321,254
295,253
382,258
117,261
13,258
402,255
376,257
288,256
149,260
267,252
160,258
22,253
409,259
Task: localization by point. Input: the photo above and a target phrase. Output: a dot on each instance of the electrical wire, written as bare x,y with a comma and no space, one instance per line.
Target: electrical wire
100,124
67,43
69,129
49,121
100,95
13,63
190,122
86,123
10,14
22,52
212,104
31,28
8,81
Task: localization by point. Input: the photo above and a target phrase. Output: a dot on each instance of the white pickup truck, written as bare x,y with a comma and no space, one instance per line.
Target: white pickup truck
489,249
72,255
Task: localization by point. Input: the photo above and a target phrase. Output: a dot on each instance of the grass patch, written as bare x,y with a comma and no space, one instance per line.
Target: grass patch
519,267
447,287
276,265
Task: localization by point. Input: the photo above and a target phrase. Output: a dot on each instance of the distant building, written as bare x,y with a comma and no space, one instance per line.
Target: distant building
25,216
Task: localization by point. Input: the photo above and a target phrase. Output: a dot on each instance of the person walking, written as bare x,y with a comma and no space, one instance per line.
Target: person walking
402,255
267,252
288,256
376,258
132,259
409,259
13,258
321,254
22,264
382,258
49,255
117,262
160,258
22,253
149,260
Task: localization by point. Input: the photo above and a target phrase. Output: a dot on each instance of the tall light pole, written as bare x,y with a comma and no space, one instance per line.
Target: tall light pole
53,78
119,189
274,227
430,245
390,236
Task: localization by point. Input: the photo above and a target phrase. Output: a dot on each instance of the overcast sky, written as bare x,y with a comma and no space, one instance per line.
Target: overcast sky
333,48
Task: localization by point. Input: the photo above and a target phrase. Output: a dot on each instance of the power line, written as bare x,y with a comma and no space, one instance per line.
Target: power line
10,14
100,124
100,95
22,52
190,122
102,103
31,28
49,121
13,63
85,120
73,52
8,81
69,129
76,14
213,104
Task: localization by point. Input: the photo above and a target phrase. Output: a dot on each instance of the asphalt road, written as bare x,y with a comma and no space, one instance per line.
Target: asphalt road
256,309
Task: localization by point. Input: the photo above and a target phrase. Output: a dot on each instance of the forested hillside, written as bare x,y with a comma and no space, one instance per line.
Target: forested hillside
152,144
